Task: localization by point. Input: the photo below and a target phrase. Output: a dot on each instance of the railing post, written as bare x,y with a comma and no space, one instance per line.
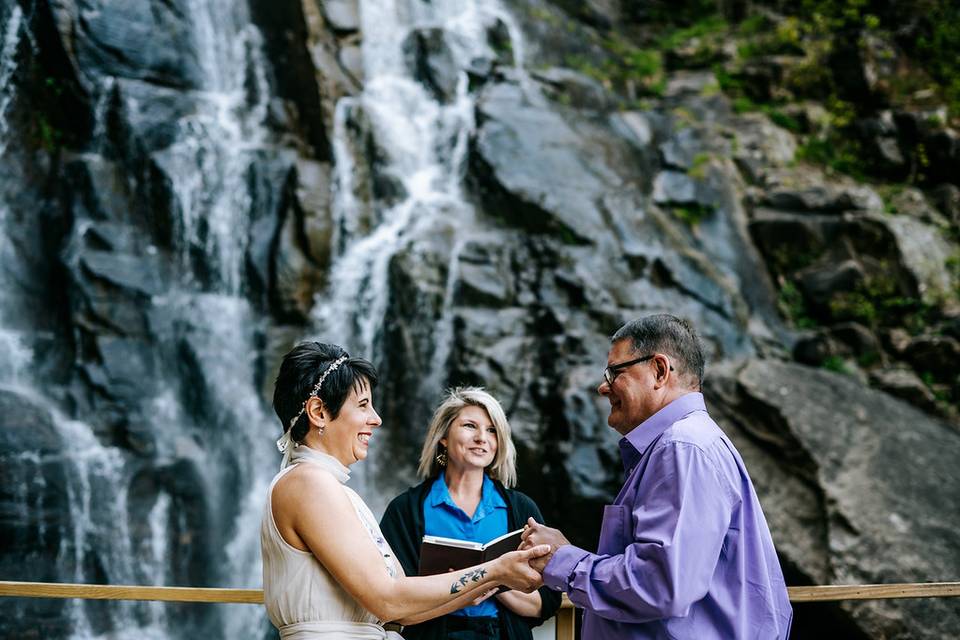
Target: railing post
566,620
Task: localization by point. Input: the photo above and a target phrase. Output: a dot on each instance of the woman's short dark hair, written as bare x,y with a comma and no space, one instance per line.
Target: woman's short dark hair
299,372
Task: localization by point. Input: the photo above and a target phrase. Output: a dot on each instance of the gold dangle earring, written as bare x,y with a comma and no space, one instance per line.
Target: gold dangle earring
442,458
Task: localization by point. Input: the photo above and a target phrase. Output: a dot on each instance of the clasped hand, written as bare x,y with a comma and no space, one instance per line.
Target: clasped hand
537,534
517,570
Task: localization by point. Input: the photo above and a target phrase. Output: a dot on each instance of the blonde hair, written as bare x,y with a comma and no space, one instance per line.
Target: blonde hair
504,465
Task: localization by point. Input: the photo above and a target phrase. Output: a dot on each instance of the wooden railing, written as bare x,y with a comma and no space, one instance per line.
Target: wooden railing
564,621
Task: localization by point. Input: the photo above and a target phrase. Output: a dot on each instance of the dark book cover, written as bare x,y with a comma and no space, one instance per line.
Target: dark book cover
440,555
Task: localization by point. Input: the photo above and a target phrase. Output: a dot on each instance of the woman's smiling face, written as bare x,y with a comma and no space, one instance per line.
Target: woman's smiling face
471,440
348,437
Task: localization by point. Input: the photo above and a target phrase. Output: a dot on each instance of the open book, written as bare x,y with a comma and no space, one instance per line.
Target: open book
439,555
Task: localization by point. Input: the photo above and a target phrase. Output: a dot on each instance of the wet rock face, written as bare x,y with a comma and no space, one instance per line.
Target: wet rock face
431,62
580,211
33,492
141,40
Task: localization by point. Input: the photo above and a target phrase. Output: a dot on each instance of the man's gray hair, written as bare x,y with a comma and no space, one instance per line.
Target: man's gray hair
670,335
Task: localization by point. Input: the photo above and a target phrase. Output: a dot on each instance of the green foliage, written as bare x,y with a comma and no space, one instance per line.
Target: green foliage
787,258
784,39
628,66
781,119
49,136
834,15
692,213
933,38
938,49
793,307
940,392
639,69
699,165
877,302
727,82
888,192
840,154
810,78
953,268
46,134
836,364
644,64
682,118
710,25
854,305
868,359
543,15
743,104
755,24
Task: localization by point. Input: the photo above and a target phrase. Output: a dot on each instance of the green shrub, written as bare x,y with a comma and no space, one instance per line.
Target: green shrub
692,213
840,154
836,364
707,26
699,165
793,307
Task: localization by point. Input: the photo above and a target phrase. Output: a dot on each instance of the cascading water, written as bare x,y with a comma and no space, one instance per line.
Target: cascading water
207,446
15,354
424,143
8,64
127,515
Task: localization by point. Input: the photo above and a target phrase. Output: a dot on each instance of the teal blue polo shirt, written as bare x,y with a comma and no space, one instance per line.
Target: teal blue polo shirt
442,517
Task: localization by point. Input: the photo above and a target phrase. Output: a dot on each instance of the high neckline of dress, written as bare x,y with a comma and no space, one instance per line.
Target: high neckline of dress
303,453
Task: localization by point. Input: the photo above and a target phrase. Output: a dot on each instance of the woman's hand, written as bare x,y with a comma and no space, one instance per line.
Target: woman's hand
514,568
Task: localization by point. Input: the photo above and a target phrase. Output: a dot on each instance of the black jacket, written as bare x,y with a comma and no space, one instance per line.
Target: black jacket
403,527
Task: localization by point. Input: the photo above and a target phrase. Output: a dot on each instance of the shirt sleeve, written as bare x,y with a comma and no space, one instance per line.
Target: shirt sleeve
676,527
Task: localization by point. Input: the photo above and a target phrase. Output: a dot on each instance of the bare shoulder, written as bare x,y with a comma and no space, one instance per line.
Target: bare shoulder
307,482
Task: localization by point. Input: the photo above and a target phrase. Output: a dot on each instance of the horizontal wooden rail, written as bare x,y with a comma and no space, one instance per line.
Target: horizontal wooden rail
565,621
874,591
255,596
123,592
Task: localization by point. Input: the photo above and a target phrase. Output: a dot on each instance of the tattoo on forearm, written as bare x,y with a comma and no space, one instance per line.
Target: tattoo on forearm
469,576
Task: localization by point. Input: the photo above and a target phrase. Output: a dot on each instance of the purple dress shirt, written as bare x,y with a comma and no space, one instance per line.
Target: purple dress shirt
684,551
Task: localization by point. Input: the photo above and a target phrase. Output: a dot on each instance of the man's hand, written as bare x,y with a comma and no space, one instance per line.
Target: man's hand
535,533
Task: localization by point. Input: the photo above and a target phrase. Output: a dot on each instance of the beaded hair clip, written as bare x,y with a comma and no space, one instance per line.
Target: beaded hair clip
316,388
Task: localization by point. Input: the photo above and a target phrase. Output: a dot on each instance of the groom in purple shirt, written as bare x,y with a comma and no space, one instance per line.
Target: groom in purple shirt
684,550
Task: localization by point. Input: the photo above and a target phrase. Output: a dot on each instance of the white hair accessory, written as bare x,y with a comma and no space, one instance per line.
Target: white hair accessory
286,445
316,390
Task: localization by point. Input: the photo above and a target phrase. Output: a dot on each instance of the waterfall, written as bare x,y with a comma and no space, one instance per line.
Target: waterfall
8,64
209,167
424,141
208,162
204,423
118,528
15,353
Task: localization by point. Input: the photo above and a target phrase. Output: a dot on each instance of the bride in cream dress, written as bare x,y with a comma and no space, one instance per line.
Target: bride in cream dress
327,570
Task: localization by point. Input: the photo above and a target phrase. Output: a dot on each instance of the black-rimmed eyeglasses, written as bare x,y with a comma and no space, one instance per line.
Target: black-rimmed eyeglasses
611,372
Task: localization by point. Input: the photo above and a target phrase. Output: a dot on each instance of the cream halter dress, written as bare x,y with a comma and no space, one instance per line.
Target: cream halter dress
304,601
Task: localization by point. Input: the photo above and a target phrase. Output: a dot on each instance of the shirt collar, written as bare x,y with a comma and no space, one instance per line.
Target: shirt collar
439,493
490,498
637,440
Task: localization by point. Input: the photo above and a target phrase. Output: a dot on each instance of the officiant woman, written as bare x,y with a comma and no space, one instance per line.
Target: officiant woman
468,464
